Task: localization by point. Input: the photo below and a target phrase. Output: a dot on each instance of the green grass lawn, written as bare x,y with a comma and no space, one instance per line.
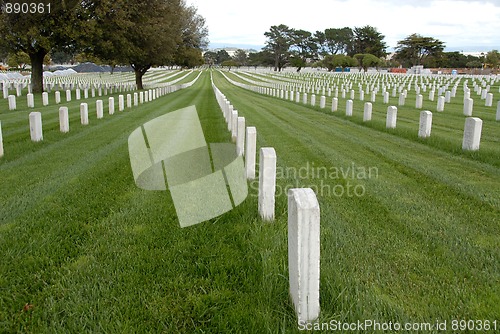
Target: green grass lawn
91,252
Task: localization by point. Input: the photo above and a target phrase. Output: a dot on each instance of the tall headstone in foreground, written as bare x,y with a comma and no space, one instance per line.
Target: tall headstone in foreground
250,151
63,119
36,126
472,134
267,182
304,252
424,129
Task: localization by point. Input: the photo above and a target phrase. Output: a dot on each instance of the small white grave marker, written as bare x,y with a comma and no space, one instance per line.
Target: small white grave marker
36,126
99,109
84,113
240,136
348,108
12,102
392,115
250,151
367,113
63,119
472,134
267,182
425,127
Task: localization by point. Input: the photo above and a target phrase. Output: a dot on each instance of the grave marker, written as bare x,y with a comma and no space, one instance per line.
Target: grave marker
348,108
392,115
63,119
367,114
304,252
84,113
250,151
425,126
36,126
472,134
267,182
240,136
99,109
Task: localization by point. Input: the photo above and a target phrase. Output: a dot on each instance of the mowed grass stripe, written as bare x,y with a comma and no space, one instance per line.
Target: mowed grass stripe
426,217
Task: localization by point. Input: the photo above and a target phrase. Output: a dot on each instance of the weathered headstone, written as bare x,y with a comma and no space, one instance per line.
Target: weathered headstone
472,134
267,182
68,95
63,119
57,96
304,252
78,94
424,129
392,115
36,126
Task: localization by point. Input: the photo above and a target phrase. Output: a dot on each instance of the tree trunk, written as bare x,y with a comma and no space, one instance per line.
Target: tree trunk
37,70
139,73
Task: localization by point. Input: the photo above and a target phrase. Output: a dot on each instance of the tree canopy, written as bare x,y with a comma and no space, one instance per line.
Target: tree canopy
415,48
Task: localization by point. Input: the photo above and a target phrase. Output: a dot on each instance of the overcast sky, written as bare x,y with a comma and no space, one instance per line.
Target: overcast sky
462,25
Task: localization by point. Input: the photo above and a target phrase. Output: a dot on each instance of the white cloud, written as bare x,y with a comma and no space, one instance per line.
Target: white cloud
455,22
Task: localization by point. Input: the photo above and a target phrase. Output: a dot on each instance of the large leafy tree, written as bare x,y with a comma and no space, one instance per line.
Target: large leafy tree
303,47
39,33
147,33
279,40
335,40
414,49
493,59
368,40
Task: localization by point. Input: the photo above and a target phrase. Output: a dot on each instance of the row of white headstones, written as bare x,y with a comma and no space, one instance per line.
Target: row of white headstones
472,128
35,118
303,213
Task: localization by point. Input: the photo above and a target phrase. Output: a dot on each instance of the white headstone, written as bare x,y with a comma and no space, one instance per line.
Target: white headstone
234,125
386,97
129,101
489,100
432,93
136,99
141,97
121,103
468,106
348,108
304,98
367,113
111,105
392,116
36,126
68,95
45,99
78,94
240,136
424,129
12,102
498,111
322,102
447,97
440,104
99,109
313,100
472,134
31,100
402,99
84,113
304,252
335,104
57,97
250,151
5,89
267,182
419,102
63,119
